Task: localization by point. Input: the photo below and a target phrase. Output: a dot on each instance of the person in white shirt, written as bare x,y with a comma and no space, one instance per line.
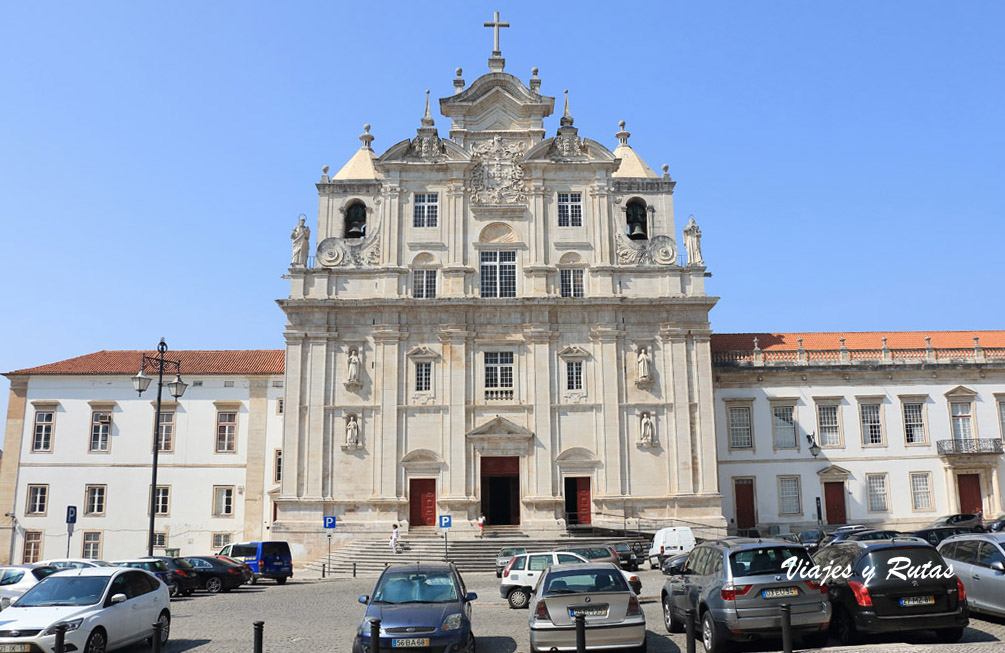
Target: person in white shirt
481,525
394,538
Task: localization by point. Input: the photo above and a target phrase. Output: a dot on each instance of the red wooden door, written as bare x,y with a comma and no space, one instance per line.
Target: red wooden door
583,503
969,486
422,502
743,489
834,500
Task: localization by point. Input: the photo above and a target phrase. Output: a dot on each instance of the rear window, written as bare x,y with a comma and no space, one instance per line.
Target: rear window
574,581
244,550
276,549
12,576
182,563
765,560
882,560
622,547
42,572
519,563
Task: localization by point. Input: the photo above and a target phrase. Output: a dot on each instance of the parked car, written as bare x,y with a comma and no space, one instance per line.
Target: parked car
962,520
935,535
504,556
979,561
216,575
811,539
74,563
626,555
155,567
674,563
523,572
265,559
614,618
735,587
183,573
888,603
995,525
597,554
249,576
669,542
787,537
844,534
104,608
16,580
420,605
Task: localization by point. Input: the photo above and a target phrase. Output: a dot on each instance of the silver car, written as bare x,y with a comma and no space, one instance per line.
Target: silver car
18,579
979,562
505,555
598,591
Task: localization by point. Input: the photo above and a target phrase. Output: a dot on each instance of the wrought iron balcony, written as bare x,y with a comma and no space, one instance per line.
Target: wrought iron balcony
958,447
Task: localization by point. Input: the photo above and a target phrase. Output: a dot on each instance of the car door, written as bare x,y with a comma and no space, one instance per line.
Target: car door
145,586
203,570
120,619
964,559
536,564
988,588
684,585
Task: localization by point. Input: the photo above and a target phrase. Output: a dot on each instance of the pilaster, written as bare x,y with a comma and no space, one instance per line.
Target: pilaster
294,450
456,352
13,433
611,439
541,389
684,482
256,460
316,431
387,437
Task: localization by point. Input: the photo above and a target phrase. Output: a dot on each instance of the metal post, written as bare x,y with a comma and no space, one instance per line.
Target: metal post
445,556
161,348
689,629
354,570
60,645
786,627
375,636
322,570
259,635
580,633
156,640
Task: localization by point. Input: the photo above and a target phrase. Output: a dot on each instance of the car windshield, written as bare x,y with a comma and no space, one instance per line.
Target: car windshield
415,587
622,547
766,560
575,581
809,535
64,590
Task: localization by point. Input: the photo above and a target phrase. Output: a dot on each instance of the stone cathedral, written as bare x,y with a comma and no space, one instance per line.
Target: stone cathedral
496,320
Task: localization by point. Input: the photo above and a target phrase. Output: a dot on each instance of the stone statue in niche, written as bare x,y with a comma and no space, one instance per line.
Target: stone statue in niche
647,432
352,440
301,237
353,365
645,365
692,243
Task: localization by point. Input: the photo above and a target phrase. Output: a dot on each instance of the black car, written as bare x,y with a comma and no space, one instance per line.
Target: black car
629,559
960,520
674,564
935,535
183,573
811,539
892,599
859,535
216,575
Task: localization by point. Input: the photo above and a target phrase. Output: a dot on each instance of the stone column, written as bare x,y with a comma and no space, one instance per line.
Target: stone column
256,459
294,407
13,433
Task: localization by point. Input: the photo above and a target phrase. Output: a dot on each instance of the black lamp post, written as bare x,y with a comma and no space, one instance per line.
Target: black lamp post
814,447
177,388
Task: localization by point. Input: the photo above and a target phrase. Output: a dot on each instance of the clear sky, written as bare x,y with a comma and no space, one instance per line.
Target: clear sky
845,160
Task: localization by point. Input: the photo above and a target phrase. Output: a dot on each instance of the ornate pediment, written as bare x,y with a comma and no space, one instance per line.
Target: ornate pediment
835,472
574,353
422,353
961,392
502,428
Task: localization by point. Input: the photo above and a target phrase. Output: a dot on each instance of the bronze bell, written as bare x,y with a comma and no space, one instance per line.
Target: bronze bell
355,230
637,231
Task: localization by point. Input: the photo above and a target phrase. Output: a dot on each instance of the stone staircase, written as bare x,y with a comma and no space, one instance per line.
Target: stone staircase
371,555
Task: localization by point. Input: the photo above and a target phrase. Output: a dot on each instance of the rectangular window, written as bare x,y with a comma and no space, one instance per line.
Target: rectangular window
425,209
94,501
423,376
226,431
101,426
872,427
574,375
165,431
499,375
92,545
42,440
914,423
827,421
162,500
876,484
921,494
498,271
160,540
740,435
1001,416
962,425
38,499
278,476
223,501
570,210
572,283
789,502
32,547
784,426
424,284
220,540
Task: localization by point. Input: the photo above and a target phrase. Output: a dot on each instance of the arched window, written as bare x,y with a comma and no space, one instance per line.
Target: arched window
355,221
635,219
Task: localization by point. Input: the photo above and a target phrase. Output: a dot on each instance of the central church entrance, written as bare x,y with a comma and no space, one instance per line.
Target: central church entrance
501,490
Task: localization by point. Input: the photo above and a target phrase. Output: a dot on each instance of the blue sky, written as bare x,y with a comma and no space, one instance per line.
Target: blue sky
844,160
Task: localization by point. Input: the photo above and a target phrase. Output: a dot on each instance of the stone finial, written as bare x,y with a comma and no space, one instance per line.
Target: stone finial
756,344
799,341
622,135
458,81
843,348
324,175
566,120
666,171
366,138
535,81
427,118
325,169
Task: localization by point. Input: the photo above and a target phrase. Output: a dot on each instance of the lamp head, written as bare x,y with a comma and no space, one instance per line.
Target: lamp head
141,381
177,387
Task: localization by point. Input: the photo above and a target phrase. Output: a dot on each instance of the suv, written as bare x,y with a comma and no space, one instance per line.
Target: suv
504,556
735,587
881,595
979,561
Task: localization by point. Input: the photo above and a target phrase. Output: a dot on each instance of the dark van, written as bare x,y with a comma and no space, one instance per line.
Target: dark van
266,559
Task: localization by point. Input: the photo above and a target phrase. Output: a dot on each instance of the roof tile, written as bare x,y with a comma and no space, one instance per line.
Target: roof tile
235,361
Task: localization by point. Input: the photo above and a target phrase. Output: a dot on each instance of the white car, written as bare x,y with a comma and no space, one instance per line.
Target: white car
105,608
16,580
74,563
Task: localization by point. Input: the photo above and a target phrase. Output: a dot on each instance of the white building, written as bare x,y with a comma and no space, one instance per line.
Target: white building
909,427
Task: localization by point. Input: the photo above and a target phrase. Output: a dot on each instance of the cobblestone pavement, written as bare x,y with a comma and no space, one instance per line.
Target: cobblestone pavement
322,615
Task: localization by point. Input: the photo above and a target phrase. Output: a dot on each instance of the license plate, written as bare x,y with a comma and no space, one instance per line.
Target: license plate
411,641
917,600
777,592
15,648
596,611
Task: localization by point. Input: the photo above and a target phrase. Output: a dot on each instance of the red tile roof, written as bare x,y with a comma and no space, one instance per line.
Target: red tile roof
235,361
856,340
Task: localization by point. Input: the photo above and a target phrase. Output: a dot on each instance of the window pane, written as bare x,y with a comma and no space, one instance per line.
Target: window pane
914,425
574,375
827,420
784,425
739,427
872,431
962,429
877,492
42,440
788,488
423,374
920,492
165,431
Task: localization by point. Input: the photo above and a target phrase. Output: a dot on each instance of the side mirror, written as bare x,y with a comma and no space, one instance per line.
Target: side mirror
4,602
998,566
363,599
471,596
117,598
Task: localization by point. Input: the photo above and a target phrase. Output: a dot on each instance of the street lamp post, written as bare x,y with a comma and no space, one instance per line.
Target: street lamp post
177,388
814,447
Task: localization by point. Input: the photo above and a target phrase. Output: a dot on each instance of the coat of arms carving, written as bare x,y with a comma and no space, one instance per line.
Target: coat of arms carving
428,147
567,146
498,175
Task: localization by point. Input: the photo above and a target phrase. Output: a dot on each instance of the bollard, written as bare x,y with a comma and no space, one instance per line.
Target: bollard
786,627
354,570
259,635
156,639
322,570
375,636
689,629
580,633
60,645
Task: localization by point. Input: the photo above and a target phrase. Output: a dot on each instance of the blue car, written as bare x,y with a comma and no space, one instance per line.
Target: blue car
420,606
265,559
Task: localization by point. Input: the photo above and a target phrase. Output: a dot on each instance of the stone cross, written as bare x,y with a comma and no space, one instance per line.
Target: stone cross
495,24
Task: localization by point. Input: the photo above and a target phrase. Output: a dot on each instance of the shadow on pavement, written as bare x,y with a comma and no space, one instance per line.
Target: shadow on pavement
500,644
173,646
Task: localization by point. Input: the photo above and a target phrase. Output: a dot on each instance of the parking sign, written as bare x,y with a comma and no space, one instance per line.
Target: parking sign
329,521
444,521
71,514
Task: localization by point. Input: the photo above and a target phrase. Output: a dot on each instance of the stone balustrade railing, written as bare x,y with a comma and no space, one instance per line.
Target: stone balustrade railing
757,357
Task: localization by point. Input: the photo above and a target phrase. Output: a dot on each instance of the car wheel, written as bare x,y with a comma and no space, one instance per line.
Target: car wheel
96,643
949,635
518,598
254,580
214,585
470,646
165,621
844,628
670,621
281,580
710,639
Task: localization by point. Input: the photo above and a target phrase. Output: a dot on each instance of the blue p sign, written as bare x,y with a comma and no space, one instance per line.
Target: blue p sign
71,514
444,521
329,521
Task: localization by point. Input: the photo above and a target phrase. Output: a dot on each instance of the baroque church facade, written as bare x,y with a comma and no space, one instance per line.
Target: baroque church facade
496,321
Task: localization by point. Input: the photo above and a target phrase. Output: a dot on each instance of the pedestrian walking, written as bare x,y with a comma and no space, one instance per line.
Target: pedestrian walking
394,538
481,525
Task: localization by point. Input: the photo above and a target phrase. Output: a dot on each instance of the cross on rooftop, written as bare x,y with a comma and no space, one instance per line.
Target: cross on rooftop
495,24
